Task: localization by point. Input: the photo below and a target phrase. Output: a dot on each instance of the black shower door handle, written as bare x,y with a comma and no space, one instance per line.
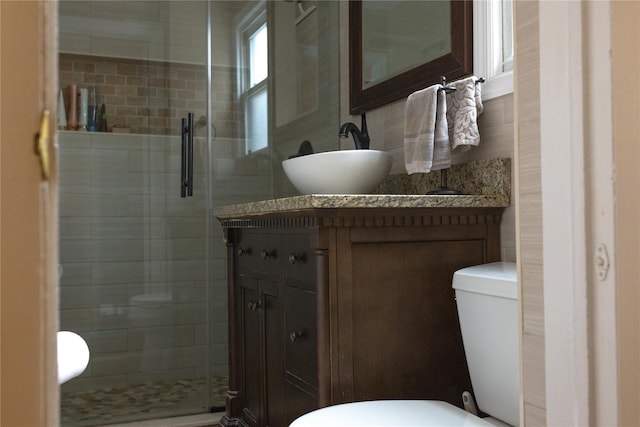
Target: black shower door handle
186,159
190,143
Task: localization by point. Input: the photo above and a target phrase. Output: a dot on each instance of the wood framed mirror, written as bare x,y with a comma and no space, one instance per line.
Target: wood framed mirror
397,47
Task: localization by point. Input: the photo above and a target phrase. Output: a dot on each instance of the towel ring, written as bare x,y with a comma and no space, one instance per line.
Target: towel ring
444,173
451,89
445,88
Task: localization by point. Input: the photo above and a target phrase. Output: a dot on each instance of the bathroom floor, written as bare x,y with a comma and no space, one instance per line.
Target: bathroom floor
118,404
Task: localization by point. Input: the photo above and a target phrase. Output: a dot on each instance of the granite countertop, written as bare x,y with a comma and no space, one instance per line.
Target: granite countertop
328,201
486,184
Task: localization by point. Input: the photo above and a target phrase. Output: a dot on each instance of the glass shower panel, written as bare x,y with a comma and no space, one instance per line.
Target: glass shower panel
143,270
135,256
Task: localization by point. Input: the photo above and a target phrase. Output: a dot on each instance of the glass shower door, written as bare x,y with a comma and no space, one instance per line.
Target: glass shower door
136,256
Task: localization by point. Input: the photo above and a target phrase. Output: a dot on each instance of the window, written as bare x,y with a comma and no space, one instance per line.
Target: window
258,55
493,46
253,54
507,35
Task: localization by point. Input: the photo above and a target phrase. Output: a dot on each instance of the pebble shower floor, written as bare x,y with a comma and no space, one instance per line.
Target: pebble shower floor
130,403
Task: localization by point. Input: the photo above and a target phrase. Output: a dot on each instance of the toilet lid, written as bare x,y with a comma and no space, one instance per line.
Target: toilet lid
406,413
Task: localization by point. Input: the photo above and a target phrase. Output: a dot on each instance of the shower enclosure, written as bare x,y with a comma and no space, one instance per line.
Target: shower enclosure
143,269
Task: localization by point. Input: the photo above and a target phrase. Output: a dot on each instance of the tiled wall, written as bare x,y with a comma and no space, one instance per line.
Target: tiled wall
151,97
173,31
125,232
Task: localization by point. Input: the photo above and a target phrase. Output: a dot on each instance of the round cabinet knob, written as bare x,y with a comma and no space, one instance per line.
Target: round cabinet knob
244,251
264,254
293,257
296,335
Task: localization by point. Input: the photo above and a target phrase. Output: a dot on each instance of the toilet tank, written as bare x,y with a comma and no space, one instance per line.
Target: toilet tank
487,300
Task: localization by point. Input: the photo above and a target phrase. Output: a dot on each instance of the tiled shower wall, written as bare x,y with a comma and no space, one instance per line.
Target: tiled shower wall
151,97
125,231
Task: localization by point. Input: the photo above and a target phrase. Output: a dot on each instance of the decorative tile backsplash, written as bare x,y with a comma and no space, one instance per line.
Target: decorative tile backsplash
487,177
146,97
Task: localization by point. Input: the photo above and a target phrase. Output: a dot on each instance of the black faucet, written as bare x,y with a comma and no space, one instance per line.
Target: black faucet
360,137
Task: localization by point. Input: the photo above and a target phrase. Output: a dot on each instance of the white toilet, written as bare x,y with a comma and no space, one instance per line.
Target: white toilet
487,300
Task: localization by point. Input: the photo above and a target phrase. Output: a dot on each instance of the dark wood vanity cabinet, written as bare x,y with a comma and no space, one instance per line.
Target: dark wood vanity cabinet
331,306
274,323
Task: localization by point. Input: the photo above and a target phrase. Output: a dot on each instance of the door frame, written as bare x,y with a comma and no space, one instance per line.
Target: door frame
581,214
28,213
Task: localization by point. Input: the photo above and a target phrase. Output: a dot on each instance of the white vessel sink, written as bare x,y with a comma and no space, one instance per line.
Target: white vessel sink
338,172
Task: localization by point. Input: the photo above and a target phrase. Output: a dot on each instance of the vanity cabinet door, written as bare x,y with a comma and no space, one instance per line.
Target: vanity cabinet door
399,329
262,359
301,352
297,402
300,326
249,325
258,278
260,258
301,348
272,342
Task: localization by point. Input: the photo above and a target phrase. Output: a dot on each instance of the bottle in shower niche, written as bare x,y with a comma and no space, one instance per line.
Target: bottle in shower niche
102,119
62,112
84,109
72,118
92,119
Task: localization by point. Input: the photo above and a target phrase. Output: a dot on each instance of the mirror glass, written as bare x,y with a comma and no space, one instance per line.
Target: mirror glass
400,35
397,47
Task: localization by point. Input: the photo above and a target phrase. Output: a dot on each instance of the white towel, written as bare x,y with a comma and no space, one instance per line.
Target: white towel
441,142
426,142
464,106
